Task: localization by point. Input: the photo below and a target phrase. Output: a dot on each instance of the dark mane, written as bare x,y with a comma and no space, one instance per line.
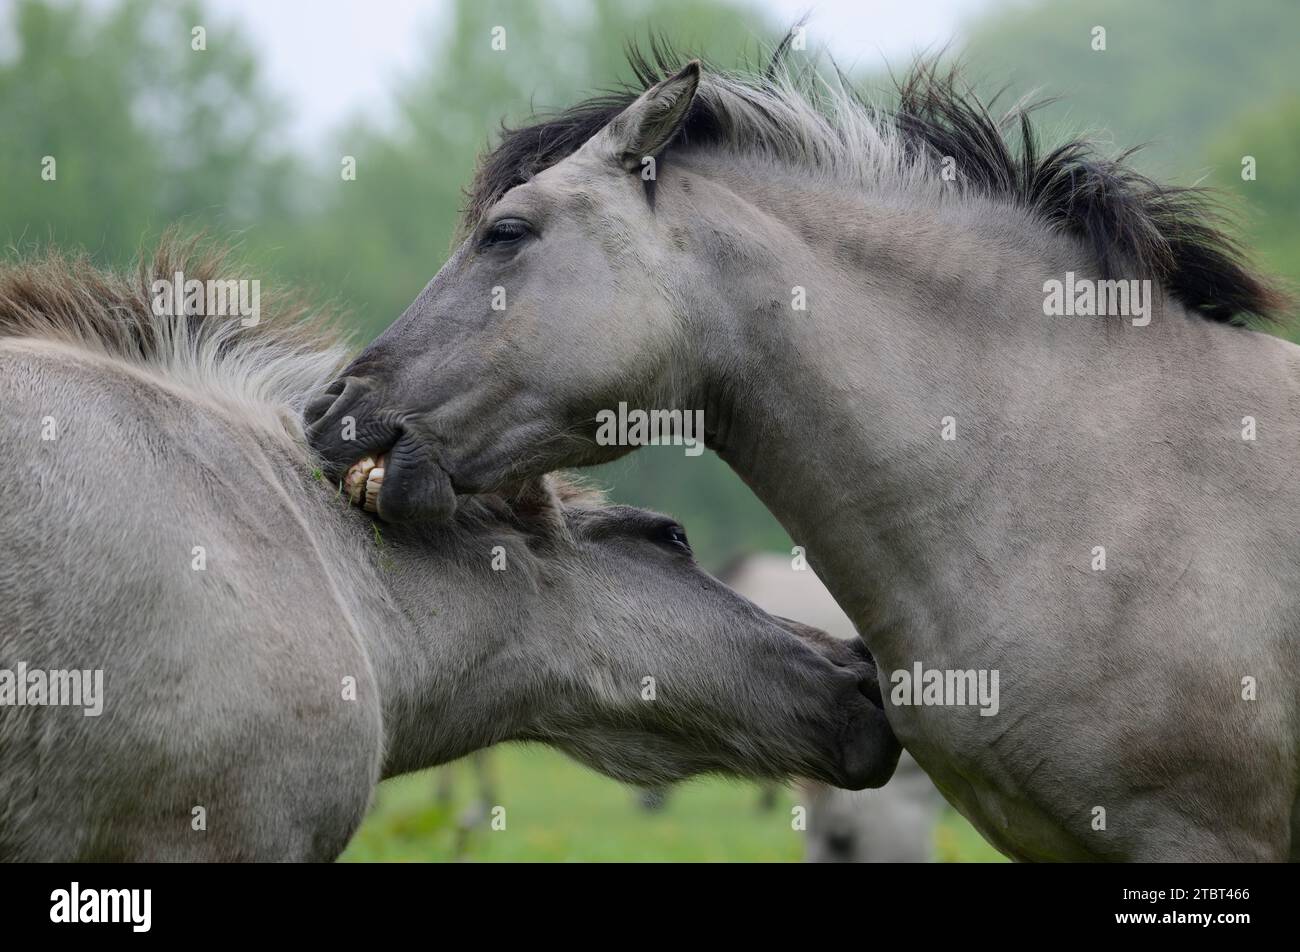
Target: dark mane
1131,225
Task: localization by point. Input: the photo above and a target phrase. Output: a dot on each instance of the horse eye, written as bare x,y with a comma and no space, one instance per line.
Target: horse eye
674,535
506,231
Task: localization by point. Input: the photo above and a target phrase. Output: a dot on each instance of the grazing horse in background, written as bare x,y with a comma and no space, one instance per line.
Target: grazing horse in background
268,654
894,824
995,391
484,795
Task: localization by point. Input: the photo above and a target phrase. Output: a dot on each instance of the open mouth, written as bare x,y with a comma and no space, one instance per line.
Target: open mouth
363,481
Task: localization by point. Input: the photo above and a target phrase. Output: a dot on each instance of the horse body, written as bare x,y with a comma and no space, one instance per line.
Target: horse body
980,549
1127,681
223,683
1100,509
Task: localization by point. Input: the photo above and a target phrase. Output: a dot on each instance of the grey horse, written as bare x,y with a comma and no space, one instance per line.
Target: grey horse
207,653
995,391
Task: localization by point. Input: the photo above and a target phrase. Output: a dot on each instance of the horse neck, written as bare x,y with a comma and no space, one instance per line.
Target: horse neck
916,316
434,624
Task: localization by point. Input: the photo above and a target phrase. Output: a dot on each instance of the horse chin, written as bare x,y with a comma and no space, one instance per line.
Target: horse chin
433,497
869,751
416,486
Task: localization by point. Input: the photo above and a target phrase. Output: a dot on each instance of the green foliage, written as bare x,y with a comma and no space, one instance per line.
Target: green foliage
144,130
1172,73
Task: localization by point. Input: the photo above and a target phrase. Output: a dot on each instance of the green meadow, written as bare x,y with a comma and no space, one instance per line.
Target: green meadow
556,810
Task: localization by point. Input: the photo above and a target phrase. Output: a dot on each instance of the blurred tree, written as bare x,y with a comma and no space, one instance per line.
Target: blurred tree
143,129
1188,88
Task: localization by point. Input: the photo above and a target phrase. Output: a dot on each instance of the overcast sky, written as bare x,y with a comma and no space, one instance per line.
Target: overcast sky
333,58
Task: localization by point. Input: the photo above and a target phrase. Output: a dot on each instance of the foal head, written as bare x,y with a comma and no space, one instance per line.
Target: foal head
591,628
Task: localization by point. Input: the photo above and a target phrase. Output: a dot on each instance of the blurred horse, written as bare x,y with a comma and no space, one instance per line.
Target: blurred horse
894,824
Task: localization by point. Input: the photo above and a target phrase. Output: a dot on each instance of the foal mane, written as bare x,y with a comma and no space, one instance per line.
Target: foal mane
278,363
1132,226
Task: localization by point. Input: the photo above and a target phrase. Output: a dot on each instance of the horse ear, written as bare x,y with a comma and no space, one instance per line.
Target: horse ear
649,124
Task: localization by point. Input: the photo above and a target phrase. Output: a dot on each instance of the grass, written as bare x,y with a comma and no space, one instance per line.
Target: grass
557,811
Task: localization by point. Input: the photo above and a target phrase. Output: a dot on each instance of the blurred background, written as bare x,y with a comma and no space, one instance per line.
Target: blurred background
245,139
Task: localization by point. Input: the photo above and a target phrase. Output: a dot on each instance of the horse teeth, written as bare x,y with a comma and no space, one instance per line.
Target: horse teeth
374,482
363,481
354,482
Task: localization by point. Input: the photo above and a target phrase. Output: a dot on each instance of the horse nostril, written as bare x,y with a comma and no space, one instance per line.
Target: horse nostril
336,396
319,405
